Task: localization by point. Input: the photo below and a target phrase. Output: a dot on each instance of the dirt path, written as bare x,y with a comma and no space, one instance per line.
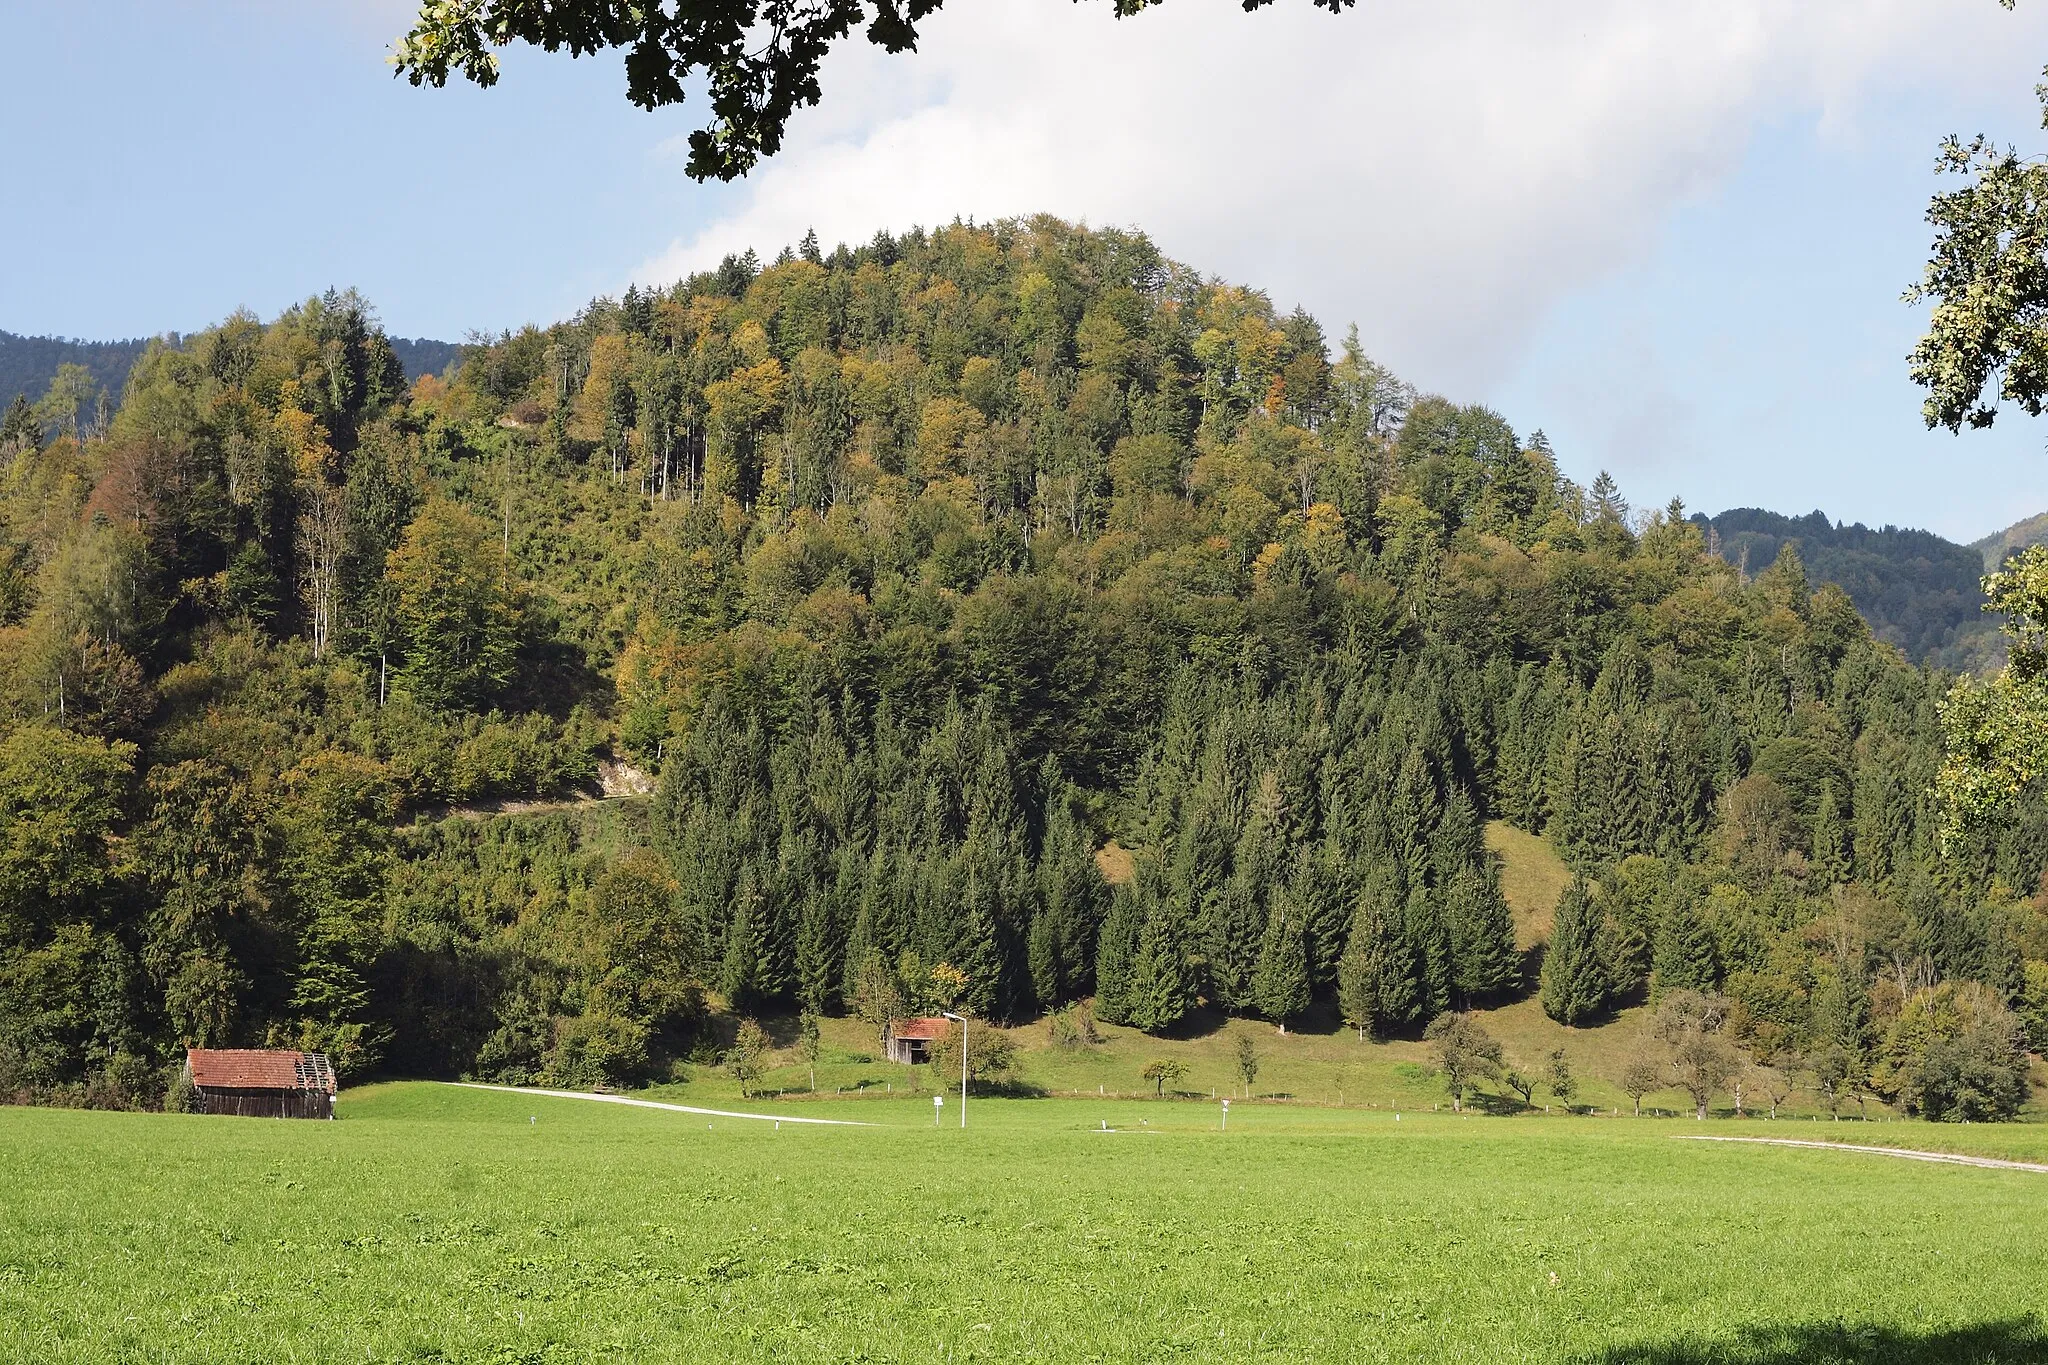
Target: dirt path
1945,1158
655,1104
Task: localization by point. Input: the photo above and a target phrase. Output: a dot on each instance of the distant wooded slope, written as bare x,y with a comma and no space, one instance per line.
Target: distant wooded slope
2014,538
27,364
1916,589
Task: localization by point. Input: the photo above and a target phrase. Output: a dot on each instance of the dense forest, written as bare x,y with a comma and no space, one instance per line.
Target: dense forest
917,573
1915,589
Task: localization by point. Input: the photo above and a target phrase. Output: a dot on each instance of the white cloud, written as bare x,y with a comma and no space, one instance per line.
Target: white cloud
1440,172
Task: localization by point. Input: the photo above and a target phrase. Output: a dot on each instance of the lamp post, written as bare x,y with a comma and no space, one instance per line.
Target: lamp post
962,1021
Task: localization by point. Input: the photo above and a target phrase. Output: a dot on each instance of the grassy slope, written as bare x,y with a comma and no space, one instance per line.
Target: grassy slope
1320,1063
440,1224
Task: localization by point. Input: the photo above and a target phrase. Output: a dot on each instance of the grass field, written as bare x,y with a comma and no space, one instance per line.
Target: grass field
440,1224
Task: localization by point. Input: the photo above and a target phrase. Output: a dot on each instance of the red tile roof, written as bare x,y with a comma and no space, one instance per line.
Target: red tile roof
918,1028
260,1069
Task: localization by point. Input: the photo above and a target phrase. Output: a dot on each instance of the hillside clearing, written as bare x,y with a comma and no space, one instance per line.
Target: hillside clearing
1532,878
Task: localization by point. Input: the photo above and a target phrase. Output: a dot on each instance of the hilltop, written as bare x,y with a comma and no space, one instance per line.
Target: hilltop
2020,535
1916,589
29,363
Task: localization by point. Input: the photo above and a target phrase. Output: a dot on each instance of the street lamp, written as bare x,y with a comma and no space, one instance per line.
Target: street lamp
962,1021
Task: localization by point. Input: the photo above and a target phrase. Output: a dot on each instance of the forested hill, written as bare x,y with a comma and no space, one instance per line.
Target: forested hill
919,571
28,365
1917,590
2014,538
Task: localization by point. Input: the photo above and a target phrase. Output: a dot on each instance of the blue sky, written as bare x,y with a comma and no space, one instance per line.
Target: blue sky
1674,238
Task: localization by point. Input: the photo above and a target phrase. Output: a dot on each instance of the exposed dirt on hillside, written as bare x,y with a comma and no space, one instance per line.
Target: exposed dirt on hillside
616,781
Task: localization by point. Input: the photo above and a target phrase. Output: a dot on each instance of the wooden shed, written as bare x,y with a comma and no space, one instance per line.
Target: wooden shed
910,1040
262,1083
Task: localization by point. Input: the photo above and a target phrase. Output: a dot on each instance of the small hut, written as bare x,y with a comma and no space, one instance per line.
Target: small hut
910,1040
262,1083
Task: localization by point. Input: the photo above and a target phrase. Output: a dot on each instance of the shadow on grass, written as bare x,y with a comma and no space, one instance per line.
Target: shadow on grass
2014,1341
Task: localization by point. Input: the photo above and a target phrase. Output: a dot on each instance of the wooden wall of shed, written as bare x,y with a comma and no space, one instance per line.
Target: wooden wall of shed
267,1104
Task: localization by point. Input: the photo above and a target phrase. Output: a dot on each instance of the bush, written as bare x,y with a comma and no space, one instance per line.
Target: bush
182,1097
990,1054
1957,1054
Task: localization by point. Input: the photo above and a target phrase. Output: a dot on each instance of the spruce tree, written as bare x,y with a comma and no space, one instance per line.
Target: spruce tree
1157,997
817,965
1574,978
1042,955
1482,930
1281,984
1685,955
861,941
1116,954
1430,943
1830,839
1072,894
739,973
979,954
1376,983
1323,891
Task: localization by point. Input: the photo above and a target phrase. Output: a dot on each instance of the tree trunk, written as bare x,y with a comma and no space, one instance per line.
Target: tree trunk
1700,1110
1639,1106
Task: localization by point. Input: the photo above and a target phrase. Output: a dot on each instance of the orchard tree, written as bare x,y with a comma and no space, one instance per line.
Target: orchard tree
1247,1060
1523,1081
1690,1022
1639,1077
1557,1074
1164,1072
809,1042
990,1054
744,1059
1464,1051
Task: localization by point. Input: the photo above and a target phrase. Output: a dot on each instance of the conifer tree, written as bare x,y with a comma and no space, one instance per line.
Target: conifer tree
817,967
1482,932
1685,957
1042,954
1323,890
1574,978
1376,987
1430,943
1830,839
979,954
1157,996
1071,893
739,973
1116,955
1281,984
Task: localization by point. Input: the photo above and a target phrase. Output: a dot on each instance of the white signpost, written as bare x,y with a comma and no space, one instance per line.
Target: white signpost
1226,1116
938,1103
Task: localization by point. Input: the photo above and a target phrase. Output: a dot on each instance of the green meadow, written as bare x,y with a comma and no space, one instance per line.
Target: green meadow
435,1223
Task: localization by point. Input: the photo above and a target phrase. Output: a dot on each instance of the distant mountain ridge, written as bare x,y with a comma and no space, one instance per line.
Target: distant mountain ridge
2014,538
1917,590
27,364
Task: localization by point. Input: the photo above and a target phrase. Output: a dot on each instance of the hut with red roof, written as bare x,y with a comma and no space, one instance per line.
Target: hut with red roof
262,1082
910,1040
